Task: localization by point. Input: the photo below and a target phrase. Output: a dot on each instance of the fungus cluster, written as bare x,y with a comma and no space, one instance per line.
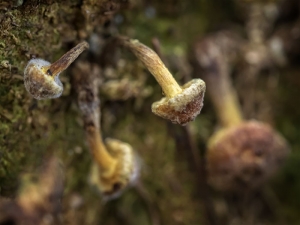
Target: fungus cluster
115,164
242,154
181,105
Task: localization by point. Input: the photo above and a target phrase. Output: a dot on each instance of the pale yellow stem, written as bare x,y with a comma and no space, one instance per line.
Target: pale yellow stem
221,92
225,100
156,67
105,161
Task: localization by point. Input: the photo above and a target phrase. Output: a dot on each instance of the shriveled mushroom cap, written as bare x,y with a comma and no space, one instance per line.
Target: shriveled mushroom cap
185,106
126,172
244,156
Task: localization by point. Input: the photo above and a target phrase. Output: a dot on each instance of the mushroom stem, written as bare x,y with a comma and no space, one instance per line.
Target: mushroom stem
212,56
154,64
63,63
86,84
224,99
105,161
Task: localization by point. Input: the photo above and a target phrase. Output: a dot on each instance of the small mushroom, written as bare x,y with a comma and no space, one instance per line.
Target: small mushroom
115,163
182,103
242,155
41,78
38,198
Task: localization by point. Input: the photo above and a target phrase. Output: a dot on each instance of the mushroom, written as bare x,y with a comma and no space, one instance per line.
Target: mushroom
38,198
41,78
242,155
115,163
182,103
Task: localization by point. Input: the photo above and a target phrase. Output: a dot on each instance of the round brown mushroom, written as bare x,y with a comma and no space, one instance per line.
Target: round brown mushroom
244,156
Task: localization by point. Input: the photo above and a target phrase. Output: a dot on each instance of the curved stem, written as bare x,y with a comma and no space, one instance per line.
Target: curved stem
105,161
224,99
64,62
154,64
86,84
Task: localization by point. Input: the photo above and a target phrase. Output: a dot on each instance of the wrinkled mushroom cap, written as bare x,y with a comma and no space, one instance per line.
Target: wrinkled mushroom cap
185,106
126,171
38,83
244,156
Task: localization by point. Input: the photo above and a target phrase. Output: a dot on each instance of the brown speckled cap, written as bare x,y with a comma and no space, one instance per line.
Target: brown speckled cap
244,156
183,107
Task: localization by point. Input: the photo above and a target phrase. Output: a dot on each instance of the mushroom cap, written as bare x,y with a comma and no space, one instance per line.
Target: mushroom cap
38,83
244,156
126,172
185,106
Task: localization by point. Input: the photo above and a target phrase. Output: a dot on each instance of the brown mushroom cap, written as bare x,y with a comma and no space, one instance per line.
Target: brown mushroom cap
185,106
244,156
126,171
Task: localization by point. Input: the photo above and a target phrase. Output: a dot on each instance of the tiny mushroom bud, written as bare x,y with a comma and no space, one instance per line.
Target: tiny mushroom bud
182,103
115,163
41,78
243,154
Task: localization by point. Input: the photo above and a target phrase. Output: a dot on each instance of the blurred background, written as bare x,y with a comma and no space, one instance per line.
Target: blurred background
248,48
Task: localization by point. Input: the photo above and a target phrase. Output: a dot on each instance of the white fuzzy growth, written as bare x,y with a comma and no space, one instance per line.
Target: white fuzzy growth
39,63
